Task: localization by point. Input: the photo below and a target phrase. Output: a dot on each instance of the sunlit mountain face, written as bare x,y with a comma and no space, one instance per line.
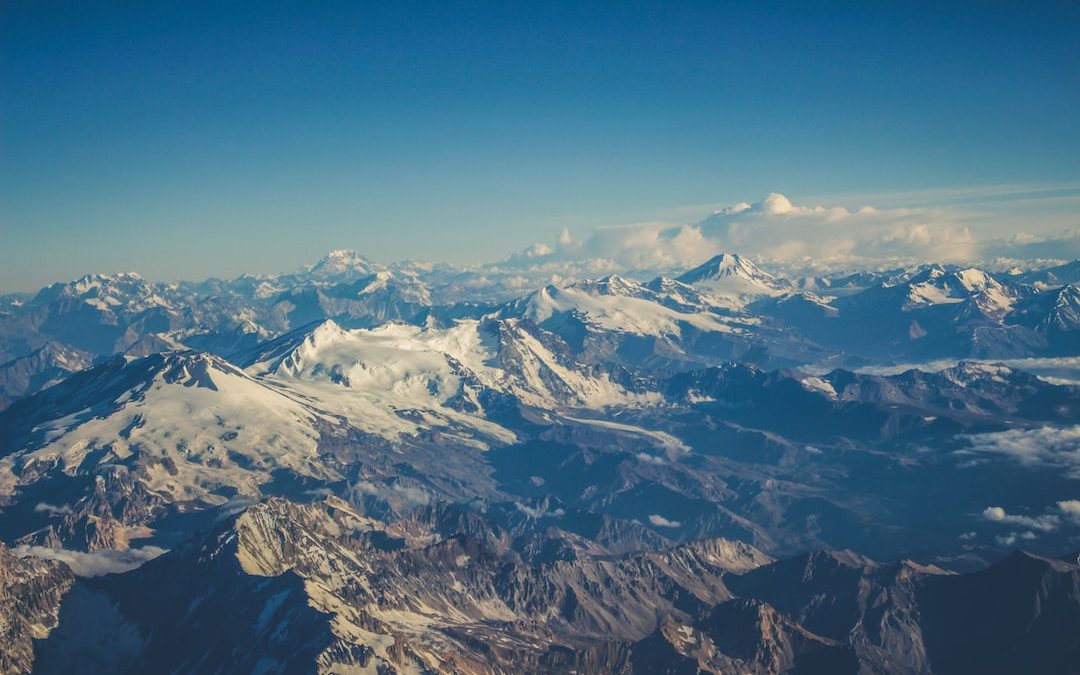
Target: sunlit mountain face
715,469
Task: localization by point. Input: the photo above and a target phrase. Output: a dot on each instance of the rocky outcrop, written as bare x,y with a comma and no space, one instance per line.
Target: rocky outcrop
30,593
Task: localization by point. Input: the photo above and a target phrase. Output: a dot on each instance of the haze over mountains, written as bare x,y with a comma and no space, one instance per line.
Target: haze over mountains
409,468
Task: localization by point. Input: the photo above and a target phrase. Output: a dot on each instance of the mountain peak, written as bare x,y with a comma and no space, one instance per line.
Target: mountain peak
343,262
968,372
975,279
723,266
193,368
96,285
1021,562
344,254
613,284
732,276
286,353
325,331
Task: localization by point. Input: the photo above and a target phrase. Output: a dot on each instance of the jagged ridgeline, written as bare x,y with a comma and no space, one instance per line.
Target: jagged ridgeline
285,587
418,468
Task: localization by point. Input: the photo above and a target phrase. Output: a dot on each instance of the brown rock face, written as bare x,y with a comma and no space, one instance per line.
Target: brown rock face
30,593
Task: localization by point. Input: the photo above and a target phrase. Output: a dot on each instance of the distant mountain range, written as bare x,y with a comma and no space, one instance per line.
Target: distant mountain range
727,302
367,468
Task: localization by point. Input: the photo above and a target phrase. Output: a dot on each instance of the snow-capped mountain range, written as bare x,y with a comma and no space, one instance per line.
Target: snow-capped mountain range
726,308
376,426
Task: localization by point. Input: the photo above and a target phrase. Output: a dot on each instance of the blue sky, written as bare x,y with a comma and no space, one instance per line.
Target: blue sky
184,139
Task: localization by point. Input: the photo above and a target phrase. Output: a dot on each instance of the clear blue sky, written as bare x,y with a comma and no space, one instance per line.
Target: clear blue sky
183,139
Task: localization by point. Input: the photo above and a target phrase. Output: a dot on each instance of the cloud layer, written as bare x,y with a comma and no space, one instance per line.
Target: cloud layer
93,564
1045,447
775,229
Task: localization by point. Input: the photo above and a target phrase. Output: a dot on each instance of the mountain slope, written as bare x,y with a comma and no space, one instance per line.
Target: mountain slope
130,436
30,593
292,588
40,369
321,588
734,279
458,376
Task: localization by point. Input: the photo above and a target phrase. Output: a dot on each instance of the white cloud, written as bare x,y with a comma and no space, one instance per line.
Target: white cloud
1070,508
43,507
394,493
1045,447
1054,369
1026,246
1006,540
798,237
1043,523
95,563
539,511
652,245
660,521
774,229
233,507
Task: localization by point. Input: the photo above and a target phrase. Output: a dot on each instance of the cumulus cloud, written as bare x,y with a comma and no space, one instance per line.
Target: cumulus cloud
1012,537
660,521
539,511
772,229
52,510
1027,246
1070,508
775,228
1065,512
651,245
611,248
1045,447
95,563
1043,523
1006,539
